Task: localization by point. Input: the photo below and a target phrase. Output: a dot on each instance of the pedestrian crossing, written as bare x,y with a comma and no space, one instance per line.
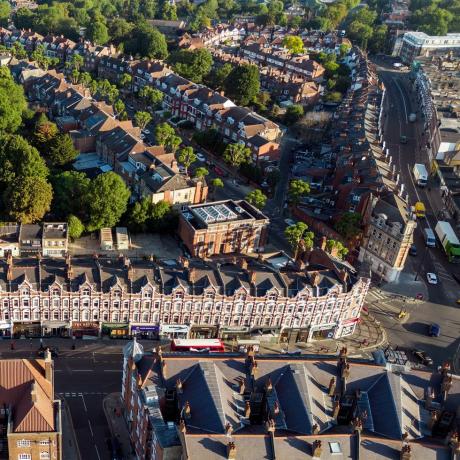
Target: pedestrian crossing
375,295
441,272
80,394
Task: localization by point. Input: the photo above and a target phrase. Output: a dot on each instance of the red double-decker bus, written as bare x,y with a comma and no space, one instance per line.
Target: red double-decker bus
198,345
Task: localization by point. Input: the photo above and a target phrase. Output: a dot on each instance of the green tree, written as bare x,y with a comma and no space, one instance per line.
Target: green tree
201,172
349,225
45,131
333,96
24,18
173,144
27,199
193,65
76,227
151,96
107,200
299,237
169,11
61,150
256,198
18,159
98,33
216,184
293,43
242,85
293,114
360,33
12,102
298,189
237,154
119,107
5,12
70,194
334,245
18,51
432,20
142,119
378,40
163,132
344,49
186,157
139,215
125,81
216,78
147,41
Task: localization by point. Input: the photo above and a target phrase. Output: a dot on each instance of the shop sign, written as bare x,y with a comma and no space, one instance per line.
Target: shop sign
5,326
145,328
172,328
114,325
349,322
235,329
324,327
85,325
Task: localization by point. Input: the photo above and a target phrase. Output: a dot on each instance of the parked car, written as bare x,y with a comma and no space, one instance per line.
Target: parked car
146,131
289,222
434,330
422,357
200,157
220,172
413,250
432,278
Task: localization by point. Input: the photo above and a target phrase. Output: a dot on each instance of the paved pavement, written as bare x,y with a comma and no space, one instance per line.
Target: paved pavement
70,449
113,410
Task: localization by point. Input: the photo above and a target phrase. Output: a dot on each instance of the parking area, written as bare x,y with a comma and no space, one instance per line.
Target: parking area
141,245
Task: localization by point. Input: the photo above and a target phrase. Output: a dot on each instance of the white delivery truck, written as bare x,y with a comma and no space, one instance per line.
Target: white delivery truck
420,174
430,239
449,240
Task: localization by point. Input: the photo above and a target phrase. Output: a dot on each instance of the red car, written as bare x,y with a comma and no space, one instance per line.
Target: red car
220,172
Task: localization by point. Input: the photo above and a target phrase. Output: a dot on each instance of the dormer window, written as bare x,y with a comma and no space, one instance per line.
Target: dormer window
117,293
55,292
86,291
148,294
24,292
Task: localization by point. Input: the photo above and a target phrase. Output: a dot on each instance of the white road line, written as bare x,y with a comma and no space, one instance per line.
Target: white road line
112,370
97,452
82,370
90,428
84,404
402,97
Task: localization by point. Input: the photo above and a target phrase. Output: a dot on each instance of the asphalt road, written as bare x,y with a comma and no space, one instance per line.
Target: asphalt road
399,104
82,377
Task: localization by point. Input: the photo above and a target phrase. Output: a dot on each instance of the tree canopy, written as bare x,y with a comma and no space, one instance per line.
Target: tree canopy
13,103
299,237
237,154
242,84
257,198
193,65
293,43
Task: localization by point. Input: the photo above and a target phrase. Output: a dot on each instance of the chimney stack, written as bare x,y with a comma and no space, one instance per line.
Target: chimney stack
243,263
446,385
269,385
247,409
130,273
9,258
48,366
187,410
429,397
191,275
314,278
231,451
331,390
405,452
315,429
252,277
433,419
316,449
270,425
357,424
184,262
242,386
179,386
323,242
335,409
33,393
276,409
182,426
228,429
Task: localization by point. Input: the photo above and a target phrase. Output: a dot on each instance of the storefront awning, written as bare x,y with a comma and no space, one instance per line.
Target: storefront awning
55,324
5,326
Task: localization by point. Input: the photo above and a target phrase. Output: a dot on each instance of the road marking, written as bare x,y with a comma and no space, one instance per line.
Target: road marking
402,97
84,404
82,370
90,428
112,370
97,452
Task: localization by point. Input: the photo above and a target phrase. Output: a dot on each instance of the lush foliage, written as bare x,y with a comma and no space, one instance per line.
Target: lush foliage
193,65
298,189
237,154
298,237
242,84
257,198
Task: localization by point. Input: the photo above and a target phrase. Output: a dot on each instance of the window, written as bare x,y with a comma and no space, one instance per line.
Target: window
24,456
334,447
23,443
44,455
44,442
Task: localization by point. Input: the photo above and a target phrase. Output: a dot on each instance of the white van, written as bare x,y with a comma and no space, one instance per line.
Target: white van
430,239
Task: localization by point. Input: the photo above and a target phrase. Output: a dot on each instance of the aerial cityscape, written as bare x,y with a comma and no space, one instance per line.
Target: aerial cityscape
229,230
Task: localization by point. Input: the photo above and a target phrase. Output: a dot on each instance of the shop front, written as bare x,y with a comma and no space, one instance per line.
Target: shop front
266,333
295,335
174,331
234,333
115,330
323,332
5,329
347,327
203,332
55,329
80,329
30,329
145,331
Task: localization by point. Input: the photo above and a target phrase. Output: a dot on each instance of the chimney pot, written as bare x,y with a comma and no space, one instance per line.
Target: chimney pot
405,452
231,451
182,426
242,386
33,393
243,263
187,410
252,276
191,275
179,386
316,448
331,390
247,409
336,409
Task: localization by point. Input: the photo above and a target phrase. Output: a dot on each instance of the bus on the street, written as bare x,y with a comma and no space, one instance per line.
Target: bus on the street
198,345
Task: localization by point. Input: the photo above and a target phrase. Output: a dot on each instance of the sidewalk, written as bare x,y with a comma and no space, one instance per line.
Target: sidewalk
113,410
369,335
70,450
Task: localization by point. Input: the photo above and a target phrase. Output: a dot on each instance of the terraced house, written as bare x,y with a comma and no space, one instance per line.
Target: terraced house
234,297
234,407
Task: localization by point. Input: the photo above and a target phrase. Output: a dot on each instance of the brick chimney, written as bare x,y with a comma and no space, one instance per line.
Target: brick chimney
315,278
231,451
343,276
433,419
243,263
446,385
247,409
228,429
429,397
9,258
139,380
252,276
315,429
323,242
191,275
405,452
184,262
269,385
187,410
33,393
241,386
179,386
48,366
331,390
276,409
182,426
316,449
357,424
131,273
335,409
